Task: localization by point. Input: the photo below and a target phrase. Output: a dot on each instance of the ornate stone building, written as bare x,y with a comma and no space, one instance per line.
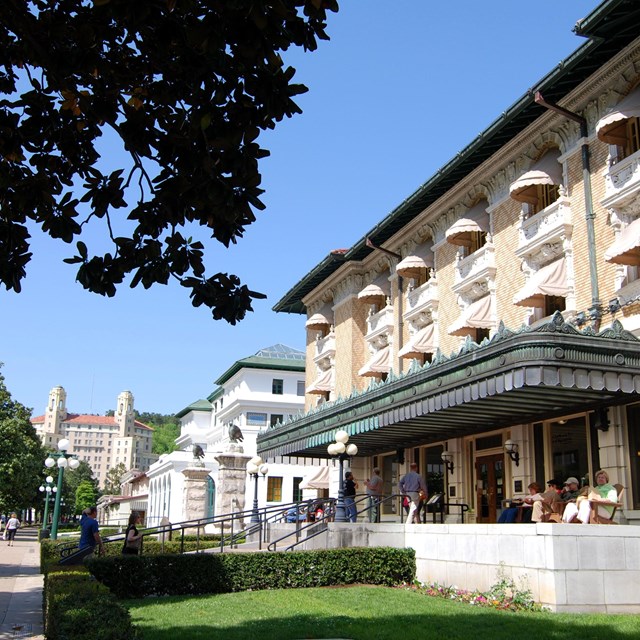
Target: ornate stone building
497,308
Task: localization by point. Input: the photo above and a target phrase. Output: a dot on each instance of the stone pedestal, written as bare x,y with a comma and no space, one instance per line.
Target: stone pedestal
195,492
232,478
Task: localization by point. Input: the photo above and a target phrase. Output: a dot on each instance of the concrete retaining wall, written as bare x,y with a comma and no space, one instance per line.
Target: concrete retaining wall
567,567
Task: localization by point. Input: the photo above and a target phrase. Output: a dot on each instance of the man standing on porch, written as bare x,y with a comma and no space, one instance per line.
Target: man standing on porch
412,484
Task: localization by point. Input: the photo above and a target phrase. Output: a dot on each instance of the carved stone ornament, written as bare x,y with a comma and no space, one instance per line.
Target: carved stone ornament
557,324
617,332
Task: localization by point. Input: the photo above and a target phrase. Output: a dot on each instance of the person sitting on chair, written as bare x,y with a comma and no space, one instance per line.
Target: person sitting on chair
603,491
509,515
551,495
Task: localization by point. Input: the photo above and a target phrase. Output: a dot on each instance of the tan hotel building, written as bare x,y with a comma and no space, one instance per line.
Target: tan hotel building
499,302
101,441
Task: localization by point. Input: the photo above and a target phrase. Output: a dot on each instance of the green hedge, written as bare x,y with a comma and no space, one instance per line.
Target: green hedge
140,576
77,606
50,553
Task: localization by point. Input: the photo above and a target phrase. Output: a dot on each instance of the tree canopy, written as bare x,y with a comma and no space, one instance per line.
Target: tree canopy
186,87
166,428
112,481
21,455
85,496
73,478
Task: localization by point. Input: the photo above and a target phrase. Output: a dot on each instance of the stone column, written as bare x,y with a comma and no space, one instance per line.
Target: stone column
195,492
232,478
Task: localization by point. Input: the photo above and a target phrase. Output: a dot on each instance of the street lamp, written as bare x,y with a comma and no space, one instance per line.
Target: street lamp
255,467
342,451
47,490
63,460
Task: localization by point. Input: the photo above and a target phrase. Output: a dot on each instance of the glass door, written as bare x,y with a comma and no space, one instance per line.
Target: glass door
489,487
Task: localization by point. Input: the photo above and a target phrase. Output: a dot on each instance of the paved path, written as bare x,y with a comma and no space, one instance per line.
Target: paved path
21,587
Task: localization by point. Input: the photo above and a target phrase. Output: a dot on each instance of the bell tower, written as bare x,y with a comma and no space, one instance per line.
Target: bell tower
124,414
56,410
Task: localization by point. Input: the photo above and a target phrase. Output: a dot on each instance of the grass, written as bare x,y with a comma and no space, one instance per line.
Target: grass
367,613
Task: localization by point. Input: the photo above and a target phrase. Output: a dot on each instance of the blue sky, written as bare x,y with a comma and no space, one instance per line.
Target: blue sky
399,89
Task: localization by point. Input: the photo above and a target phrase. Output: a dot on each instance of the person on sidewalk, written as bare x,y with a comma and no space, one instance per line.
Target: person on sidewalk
89,531
412,484
375,487
13,524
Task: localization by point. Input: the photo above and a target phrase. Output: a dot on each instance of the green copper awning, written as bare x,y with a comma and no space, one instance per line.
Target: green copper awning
514,378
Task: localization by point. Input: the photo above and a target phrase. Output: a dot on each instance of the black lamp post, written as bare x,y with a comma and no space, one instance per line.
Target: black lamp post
342,451
63,460
256,467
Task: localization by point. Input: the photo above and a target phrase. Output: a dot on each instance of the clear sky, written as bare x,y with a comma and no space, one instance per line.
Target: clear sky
399,89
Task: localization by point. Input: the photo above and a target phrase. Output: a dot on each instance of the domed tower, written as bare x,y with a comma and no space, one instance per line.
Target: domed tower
124,414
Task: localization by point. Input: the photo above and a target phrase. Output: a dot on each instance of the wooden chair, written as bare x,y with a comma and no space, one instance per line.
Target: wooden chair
552,511
596,518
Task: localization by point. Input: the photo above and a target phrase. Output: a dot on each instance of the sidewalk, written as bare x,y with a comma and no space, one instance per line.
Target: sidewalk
21,587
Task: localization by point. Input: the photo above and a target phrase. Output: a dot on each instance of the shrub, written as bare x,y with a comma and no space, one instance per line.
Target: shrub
140,576
50,550
77,606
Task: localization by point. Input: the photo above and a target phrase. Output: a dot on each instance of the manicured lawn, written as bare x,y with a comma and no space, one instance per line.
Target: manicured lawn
367,613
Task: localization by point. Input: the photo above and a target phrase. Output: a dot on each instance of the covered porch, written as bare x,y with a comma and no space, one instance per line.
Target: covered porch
511,386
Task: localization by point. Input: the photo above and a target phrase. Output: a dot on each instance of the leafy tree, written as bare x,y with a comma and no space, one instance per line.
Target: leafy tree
85,496
186,87
74,478
21,455
166,428
113,478
164,437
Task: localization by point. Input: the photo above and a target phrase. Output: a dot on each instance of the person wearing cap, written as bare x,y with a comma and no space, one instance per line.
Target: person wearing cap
571,489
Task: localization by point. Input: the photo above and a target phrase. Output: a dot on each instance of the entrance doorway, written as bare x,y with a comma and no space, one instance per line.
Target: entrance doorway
489,487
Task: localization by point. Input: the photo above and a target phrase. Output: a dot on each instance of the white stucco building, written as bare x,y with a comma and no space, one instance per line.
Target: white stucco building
254,394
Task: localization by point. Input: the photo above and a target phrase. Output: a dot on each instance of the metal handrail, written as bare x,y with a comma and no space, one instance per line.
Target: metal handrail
229,536
327,516
265,515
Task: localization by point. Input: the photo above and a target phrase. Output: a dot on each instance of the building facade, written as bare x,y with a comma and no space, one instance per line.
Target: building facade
254,393
487,328
103,442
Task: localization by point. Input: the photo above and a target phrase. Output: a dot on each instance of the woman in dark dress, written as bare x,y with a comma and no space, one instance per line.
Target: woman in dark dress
133,539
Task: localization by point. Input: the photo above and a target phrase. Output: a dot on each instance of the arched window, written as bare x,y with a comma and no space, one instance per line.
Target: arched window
621,126
540,186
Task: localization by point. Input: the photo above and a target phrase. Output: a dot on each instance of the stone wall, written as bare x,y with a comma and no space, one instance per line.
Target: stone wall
568,568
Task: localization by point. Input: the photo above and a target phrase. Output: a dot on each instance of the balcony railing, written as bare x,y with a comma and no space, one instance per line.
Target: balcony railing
480,264
325,348
380,323
551,223
622,180
422,299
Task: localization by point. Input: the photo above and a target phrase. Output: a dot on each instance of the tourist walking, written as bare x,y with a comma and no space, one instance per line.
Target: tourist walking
132,538
89,530
13,524
413,486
